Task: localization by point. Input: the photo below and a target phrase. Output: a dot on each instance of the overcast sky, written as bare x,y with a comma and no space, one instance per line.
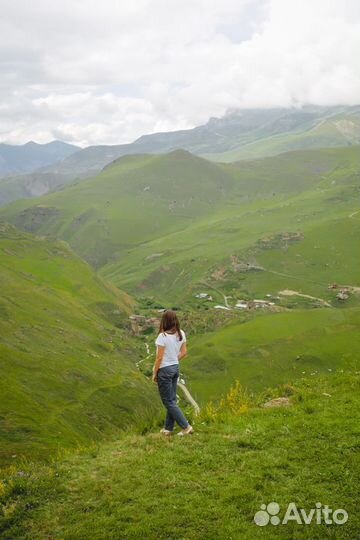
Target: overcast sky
108,71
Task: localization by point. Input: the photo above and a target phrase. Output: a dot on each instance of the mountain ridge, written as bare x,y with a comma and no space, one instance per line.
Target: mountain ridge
240,134
26,158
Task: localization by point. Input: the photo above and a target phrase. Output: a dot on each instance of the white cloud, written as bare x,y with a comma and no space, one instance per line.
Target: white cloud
95,73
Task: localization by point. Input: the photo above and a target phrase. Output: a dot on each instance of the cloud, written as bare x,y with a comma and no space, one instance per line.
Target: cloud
107,73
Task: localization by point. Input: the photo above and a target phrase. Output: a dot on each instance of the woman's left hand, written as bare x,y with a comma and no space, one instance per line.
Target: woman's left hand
154,378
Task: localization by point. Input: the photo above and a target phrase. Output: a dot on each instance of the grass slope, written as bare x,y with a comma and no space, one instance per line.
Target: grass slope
314,194
145,217
67,366
207,486
273,349
135,200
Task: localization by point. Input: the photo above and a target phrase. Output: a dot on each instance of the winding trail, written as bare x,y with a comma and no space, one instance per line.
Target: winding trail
204,283
148,353
289,292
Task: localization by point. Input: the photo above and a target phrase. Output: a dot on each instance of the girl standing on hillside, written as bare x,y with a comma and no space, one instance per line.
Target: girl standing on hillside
171,348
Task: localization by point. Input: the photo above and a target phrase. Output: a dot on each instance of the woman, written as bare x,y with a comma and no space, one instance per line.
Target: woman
171,348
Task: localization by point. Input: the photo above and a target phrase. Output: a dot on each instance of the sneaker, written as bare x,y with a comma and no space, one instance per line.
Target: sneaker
166,431
187,431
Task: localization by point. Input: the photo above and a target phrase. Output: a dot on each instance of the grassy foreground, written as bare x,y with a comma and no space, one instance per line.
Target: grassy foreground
206,486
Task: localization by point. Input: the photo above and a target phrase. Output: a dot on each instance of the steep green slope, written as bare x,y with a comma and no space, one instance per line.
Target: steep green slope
273,349
207,486
30,185
67,367
131,202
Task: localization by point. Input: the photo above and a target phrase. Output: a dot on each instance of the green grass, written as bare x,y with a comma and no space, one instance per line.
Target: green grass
67,366
307,192
142,239
166,227
272,349
207,486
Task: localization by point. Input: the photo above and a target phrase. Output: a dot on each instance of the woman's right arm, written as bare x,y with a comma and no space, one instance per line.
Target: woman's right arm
159,356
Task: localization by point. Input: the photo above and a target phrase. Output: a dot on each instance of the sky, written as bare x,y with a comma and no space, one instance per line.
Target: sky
108,71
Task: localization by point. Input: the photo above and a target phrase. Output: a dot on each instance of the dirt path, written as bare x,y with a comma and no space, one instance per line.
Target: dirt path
148,353
352,288
282,274
289,292
205,284
354,213
189,398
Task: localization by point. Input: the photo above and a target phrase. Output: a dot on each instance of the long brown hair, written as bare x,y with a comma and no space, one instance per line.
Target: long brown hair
170,321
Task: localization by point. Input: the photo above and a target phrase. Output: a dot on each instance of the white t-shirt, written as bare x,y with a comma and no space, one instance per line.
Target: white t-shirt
172,345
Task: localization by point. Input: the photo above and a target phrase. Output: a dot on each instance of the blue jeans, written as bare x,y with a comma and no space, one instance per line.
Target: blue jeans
167,378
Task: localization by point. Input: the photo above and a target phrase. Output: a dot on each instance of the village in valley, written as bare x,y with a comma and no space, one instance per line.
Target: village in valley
240,304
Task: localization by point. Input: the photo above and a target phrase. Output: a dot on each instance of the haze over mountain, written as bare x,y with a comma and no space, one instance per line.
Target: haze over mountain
31,156
244,134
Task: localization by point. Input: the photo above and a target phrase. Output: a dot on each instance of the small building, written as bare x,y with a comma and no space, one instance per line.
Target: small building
241,304
263,303
203,296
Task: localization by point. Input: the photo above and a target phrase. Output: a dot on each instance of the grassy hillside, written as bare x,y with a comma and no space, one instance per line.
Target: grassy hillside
145,217
209,485
133,201
294,216
273,349
169,227
67,367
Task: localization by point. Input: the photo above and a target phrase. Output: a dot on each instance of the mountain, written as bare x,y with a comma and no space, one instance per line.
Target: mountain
146,216
134,200
252,133
294,216
68,374
240,134
243,134
31,156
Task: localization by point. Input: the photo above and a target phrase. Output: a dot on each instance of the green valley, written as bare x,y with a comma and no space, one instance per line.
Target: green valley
260,259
